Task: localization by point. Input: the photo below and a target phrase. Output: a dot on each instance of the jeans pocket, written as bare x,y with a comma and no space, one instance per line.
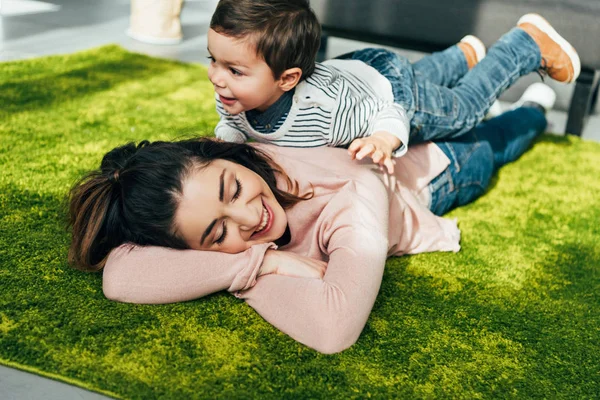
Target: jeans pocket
442,193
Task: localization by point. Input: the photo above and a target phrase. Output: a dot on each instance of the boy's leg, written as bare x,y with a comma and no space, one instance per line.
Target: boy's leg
478,154
447,67
441,112
512,133
444,113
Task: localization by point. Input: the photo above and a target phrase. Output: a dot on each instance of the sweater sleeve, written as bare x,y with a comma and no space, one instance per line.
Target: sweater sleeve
227,129
393,119
330,314
229,132
360,115
157,275
364,103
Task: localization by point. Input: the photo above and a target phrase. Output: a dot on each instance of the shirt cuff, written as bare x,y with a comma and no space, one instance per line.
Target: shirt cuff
398,128
254,257
230,135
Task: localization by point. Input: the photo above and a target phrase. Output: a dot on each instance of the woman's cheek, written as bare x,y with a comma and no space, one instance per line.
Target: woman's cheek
239,246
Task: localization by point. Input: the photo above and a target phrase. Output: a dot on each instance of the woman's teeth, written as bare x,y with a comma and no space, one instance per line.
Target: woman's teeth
265,220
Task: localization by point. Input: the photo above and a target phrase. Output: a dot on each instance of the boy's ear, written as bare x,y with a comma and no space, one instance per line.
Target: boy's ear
290,78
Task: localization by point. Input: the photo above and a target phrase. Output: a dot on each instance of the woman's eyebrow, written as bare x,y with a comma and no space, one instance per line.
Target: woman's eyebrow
222,185
207,231
221,195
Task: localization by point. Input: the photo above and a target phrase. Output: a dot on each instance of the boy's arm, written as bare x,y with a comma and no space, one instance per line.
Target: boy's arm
387,137
377,126
228,132
379,146
393,120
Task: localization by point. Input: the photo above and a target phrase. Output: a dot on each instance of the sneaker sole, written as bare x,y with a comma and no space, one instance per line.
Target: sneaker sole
542,24
476,44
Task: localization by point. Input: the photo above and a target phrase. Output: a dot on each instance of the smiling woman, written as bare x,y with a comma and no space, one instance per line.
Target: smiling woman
306,250
184,195
244,213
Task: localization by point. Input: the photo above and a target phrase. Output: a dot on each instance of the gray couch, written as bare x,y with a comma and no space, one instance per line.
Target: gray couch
430,25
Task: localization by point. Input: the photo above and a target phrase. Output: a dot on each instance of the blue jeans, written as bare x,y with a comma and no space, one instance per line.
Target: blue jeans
441,96
478,154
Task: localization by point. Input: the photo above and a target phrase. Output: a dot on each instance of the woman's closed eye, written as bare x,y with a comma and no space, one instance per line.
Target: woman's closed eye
235,72
238,190
221,238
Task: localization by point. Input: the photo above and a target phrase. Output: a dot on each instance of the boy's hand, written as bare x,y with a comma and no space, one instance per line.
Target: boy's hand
379,146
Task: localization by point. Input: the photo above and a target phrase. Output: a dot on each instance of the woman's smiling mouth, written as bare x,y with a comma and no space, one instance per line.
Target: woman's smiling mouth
265,223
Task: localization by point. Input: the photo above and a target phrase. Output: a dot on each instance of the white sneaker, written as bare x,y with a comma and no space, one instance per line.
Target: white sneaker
477,47
494,111
537,93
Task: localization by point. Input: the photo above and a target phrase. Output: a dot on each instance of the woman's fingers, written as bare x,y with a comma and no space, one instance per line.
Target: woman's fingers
296,265
321,267
317,269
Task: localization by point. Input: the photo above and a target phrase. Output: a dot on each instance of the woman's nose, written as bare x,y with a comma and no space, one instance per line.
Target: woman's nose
244,216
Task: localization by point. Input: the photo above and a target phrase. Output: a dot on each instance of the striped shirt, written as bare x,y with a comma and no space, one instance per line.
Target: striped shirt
273,117
341,101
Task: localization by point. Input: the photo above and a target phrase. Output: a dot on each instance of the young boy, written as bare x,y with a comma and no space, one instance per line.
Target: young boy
270,88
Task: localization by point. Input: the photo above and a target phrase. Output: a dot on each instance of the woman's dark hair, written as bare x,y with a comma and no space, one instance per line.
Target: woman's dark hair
286,33
134,195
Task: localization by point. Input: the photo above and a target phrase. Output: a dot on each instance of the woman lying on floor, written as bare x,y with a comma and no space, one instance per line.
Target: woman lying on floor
308,231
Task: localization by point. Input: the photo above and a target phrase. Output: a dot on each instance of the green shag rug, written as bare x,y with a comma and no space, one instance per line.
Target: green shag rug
515,314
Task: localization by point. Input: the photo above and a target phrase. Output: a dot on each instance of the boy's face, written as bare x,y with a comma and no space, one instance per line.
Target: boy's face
240,77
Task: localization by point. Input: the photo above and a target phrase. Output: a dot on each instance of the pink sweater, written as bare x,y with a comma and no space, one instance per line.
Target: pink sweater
355,220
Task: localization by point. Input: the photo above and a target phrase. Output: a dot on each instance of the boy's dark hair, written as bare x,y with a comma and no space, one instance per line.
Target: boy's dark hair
286,33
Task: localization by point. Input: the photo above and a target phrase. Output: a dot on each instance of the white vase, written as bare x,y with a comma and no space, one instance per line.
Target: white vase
156,21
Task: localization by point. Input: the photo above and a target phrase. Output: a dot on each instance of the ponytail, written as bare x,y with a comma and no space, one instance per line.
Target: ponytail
92,201
95,217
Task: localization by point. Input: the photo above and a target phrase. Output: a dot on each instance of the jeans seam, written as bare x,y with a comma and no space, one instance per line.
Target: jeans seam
454,158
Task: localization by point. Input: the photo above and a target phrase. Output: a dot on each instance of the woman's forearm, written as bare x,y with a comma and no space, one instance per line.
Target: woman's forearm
326,314
329,314
156,275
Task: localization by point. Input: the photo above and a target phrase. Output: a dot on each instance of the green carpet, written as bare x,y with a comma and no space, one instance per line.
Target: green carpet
515,314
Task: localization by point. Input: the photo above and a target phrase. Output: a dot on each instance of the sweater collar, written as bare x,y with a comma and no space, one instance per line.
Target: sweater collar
268,119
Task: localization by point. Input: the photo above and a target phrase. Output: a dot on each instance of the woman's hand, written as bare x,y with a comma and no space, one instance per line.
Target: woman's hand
379,146
291,264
